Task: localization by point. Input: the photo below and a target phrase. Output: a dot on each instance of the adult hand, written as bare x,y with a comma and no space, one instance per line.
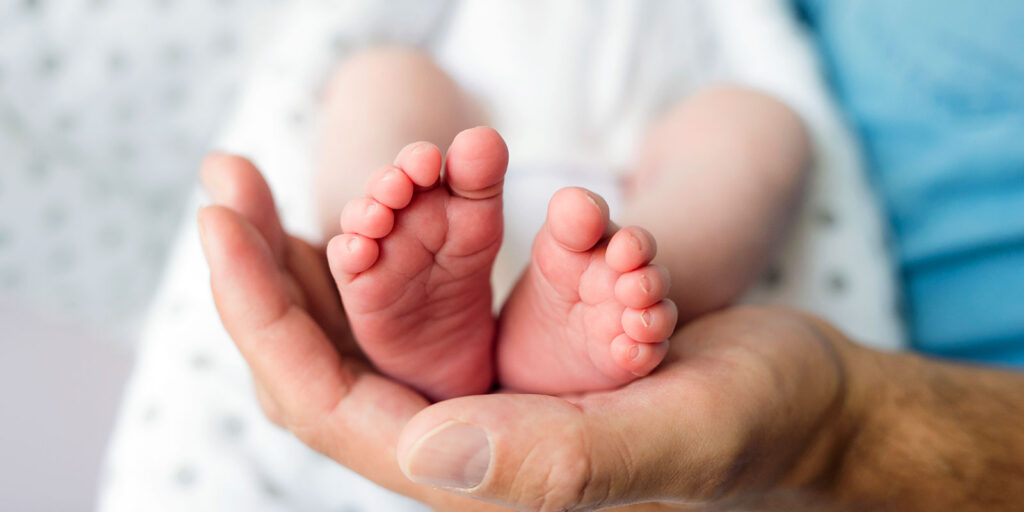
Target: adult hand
750,409
746,409
278,302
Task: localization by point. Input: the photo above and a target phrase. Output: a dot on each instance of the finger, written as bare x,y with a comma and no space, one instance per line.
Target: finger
469,444
640,443
234,182
332,404
286,350
270,407
307,265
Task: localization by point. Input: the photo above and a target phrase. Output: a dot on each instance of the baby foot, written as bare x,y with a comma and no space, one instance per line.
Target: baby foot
590,312
414,264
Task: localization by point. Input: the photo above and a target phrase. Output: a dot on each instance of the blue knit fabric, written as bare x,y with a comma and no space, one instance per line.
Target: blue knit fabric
936,90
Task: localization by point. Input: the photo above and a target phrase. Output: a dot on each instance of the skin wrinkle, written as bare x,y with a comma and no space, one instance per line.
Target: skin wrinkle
589,475
578,470
311,431
413,280
626,466
577,304
489,247
826,476
518,485
574,304
548,279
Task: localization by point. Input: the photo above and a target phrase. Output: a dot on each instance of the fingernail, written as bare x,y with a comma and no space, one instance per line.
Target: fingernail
452,455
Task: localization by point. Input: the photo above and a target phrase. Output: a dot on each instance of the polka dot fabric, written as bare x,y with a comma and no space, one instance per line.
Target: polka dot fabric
106,107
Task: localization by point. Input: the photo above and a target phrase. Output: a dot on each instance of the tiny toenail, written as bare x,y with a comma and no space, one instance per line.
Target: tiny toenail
636,242
593,201
420,148
634,352
351,244
645,284
645,317
391,174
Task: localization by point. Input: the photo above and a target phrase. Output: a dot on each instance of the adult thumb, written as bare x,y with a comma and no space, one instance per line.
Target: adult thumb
528,452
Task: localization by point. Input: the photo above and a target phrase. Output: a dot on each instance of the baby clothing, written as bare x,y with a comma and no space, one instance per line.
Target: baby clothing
571,85
935,89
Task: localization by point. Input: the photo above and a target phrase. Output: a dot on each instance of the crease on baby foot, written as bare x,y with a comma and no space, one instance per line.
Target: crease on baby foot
478,195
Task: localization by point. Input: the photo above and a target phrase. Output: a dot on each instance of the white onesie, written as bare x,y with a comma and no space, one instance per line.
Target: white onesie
570,85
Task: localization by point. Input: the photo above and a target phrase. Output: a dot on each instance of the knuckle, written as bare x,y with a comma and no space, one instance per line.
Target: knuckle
569,484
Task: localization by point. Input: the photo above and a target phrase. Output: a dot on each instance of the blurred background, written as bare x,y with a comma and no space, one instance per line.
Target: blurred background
106,108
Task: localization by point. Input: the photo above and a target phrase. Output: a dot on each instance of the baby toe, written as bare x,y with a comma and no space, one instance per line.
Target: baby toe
476,163
390,187
630,248
367,217
652,324
351,254
642,287
577,218
421,162
637,358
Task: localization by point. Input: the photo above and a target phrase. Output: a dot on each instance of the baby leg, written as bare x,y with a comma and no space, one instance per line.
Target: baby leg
716,181
378,101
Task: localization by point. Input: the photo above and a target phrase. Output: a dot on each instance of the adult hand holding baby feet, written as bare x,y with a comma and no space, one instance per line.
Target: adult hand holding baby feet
414,266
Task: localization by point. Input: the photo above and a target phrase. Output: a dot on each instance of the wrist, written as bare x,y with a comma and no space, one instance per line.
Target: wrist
817,475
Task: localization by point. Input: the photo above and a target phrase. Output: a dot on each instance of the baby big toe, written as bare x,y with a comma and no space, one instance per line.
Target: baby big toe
630,248
637,358
577,218
652,324
642,287
365,216
350,254
476,163
390,187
